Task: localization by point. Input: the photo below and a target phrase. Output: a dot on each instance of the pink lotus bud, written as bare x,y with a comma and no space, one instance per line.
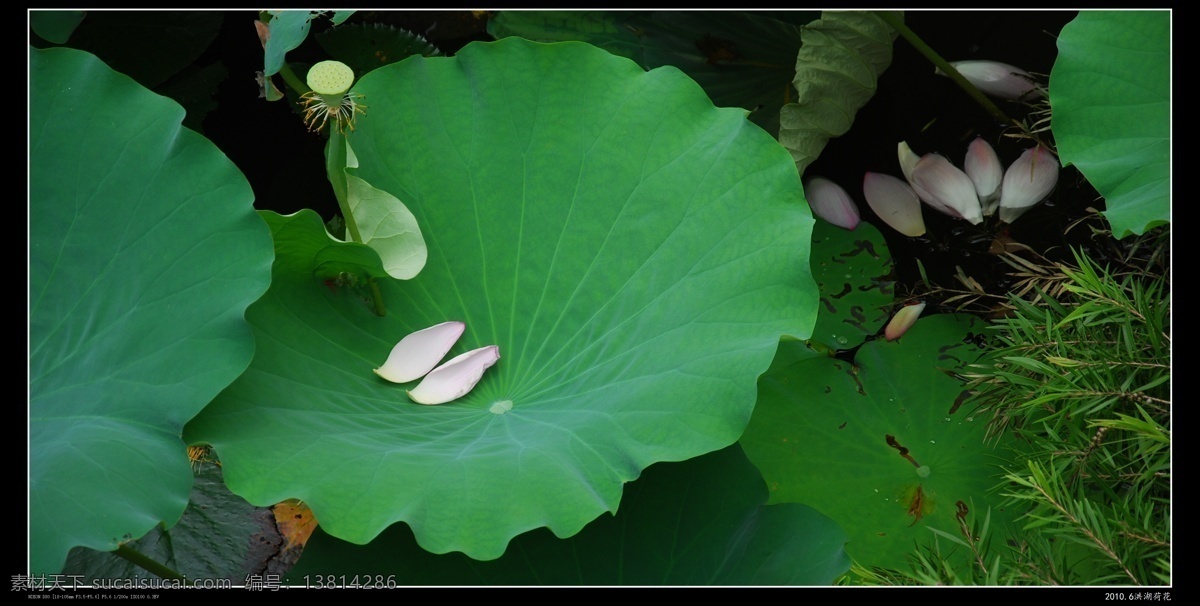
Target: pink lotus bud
948,188
999,79
902,321
895,202
830,202
417,354
985,171
455,378
1027,181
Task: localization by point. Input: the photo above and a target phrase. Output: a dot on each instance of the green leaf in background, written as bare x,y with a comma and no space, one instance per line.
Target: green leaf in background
339,16
829,434
853,271
699,522
366,46
55,26
288,31
1110,91
837,72
220,536
149,46
739,59
634,252
144,252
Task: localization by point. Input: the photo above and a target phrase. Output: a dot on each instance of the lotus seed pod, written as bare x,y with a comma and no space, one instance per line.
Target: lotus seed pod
330,78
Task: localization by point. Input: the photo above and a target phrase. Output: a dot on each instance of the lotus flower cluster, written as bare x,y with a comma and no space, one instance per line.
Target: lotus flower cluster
416,355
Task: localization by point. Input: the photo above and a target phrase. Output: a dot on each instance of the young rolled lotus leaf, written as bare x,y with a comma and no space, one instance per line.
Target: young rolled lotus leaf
950,190
830,202
999,79
417,353
1027,181
895,202
455,378
902,321
983,167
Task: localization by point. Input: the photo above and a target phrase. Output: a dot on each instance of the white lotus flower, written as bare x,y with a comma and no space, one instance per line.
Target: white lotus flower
416,354
830,202
999,79
455,378
983,167
902,321
895,202
1027,181
947,188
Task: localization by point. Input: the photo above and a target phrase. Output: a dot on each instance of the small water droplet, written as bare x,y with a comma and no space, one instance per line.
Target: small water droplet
501,407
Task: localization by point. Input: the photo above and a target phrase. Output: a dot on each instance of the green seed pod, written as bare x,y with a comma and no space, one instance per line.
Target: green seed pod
330,78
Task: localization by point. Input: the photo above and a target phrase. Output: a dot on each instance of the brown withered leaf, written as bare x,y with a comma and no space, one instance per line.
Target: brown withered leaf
295,521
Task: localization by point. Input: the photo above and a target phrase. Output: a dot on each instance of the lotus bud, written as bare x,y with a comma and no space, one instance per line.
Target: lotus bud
948,188
998,79
455,378
830,202
416,354
902,321
985,171
1027,181
895,202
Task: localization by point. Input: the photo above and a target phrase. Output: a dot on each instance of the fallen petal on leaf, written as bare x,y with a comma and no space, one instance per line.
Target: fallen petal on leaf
895,202
416,354
455,378
830,202
902,321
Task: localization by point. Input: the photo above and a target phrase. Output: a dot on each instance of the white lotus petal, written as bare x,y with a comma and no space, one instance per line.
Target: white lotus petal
998,79
830,202
895,202
908,159
983,167
948,188
1027,181
902,321
455,378
416,354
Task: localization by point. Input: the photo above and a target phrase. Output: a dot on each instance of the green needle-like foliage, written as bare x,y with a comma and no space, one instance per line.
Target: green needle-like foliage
1085,380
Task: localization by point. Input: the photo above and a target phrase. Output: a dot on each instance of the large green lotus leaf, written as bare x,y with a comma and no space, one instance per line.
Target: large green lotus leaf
1110,90
853,271
698,522
144,253
220,536
829,434
635,253
837,72
740,59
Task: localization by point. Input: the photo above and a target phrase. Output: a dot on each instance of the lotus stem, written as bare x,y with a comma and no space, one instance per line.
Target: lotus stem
143,561
894,20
